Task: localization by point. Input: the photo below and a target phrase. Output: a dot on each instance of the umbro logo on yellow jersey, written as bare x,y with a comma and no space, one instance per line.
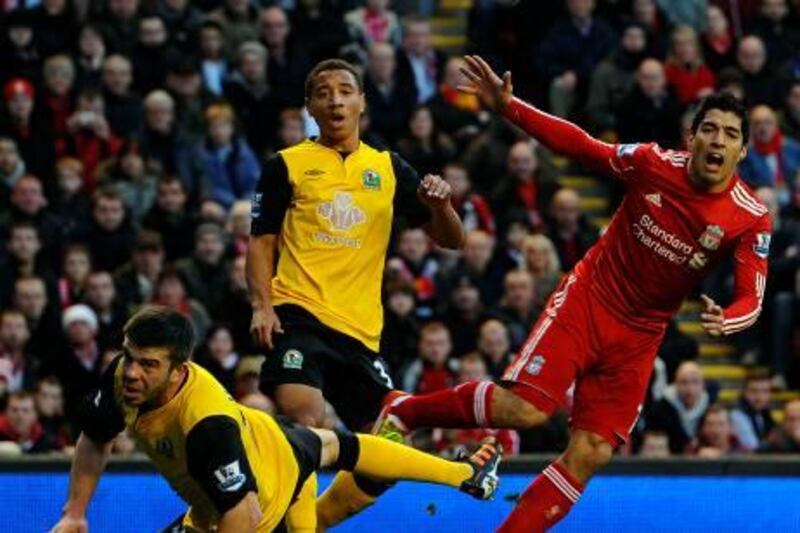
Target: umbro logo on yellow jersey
314,172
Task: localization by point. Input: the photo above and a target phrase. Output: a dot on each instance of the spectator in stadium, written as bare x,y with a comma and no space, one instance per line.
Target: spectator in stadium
235,307
518,308
685,70
374,23
291,129
719,46
781,292
182,20
522,192
56,101
229,162
494,346
49,400
239,20
56,26
12,168
238,228
120,21
715,438
123,108
679,412
206,271
464,313
401,327
14,341
473,208
479,265
221,357
127,173
569,229
415,263
650,110
18,121
79,364
320,25
772,159
72,202
570,52
213,62
29,204
434,369
149,56
109,232
751,419
777,28
24,259
786,438
101,296
655,445
425,147
685,12
540,258
185,85
456,113
761,84
20,424
90,55
171,291
418,60
248,92
790,116
19,55
89,137
172,217
165,148
447,442
135,281
247,377
288,61
76,267
390,99
44,320
614,77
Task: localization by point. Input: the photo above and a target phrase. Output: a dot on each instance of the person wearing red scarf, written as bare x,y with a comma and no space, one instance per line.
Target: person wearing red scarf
20,424
773,160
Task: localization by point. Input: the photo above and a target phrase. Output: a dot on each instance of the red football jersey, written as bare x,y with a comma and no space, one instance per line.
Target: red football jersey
667,234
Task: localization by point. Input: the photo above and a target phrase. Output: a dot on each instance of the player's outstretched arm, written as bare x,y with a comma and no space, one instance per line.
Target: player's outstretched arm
87,466
560,136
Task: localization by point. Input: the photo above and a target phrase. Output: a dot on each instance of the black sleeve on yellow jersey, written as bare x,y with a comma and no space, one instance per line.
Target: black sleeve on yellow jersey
407,205
99,416
217,460
271,198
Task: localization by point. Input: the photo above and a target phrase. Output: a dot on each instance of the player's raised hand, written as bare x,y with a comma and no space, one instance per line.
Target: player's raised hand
493,91
434,191
264,324
69,524
712,317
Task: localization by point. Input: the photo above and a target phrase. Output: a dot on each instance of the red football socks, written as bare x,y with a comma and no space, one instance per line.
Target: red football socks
466,406
545,502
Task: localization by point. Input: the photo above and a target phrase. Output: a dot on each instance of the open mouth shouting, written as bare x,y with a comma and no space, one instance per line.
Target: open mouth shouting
714,161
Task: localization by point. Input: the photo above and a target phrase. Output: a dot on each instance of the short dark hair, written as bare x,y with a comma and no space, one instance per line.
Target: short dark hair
156,326
723,102
49,380
332,64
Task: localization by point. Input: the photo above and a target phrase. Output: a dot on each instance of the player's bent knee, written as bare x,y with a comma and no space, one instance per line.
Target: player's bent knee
511,410
587,453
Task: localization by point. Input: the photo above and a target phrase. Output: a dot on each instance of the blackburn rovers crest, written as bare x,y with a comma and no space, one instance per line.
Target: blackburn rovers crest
711,237
372,180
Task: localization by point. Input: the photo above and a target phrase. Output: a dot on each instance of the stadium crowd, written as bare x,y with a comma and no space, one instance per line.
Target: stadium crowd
132,134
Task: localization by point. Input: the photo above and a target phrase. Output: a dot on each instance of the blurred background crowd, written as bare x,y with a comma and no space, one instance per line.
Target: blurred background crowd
132,134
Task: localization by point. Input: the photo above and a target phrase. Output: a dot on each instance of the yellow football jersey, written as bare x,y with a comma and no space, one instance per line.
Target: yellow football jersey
186,440
334,215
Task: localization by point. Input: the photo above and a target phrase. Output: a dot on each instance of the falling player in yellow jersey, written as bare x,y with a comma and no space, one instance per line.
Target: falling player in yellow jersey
239,469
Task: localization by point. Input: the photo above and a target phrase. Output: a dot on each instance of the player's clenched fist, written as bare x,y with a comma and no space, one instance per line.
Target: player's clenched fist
712,317
434,191
264,323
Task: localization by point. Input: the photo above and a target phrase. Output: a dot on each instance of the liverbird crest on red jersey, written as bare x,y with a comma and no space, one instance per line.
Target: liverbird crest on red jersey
711,237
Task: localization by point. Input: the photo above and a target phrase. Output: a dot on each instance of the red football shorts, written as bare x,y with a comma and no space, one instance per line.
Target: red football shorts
578,340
